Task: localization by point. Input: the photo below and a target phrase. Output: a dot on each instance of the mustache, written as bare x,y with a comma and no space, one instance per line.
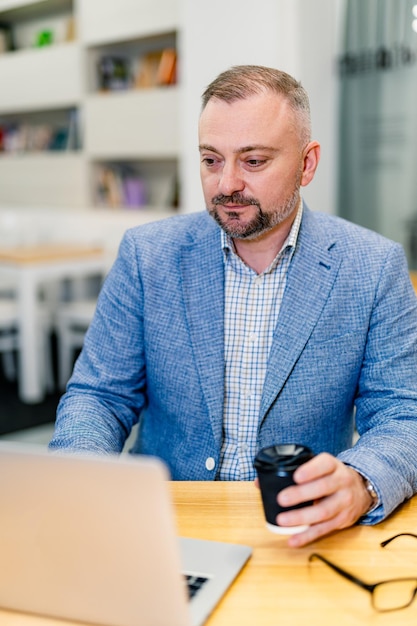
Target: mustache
235,198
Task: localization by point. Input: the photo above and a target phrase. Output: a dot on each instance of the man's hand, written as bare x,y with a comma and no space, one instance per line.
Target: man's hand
338,492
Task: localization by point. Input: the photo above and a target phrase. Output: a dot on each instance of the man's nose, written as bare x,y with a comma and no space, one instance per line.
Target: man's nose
231,180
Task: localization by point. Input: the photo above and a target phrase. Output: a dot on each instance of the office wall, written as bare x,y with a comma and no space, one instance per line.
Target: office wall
299,36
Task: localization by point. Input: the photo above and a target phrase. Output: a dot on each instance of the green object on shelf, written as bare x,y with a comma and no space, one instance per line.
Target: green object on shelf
44,38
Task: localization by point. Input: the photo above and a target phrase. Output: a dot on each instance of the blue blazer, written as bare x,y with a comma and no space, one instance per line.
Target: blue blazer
344,353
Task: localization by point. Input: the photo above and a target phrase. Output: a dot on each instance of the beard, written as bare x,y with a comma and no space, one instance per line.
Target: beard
261,223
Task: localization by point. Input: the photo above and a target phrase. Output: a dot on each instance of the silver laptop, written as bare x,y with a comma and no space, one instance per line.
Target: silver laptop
93,539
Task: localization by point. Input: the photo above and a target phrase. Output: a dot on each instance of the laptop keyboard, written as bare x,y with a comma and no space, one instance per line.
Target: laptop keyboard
194,583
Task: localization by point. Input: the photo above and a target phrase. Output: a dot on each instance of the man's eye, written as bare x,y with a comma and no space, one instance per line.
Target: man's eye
209,161
255,162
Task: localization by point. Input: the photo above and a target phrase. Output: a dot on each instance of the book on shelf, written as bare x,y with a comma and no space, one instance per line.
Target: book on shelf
38,138
119,186
73,131
148,69
167,70
157,68
109,188
70,29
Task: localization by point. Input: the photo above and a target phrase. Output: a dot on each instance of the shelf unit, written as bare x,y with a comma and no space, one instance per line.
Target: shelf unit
134,130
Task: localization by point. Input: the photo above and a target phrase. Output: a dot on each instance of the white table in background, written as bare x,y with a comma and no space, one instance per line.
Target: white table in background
30,267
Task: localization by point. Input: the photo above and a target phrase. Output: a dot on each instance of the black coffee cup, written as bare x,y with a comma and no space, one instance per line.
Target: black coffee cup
275,467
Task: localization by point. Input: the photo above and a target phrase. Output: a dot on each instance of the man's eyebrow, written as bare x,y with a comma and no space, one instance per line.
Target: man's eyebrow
205,146
243,149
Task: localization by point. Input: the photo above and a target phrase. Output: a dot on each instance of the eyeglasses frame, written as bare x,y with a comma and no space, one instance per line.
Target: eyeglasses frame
370,587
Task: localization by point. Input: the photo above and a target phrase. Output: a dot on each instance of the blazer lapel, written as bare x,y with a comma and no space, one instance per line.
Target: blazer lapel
311,276
202,272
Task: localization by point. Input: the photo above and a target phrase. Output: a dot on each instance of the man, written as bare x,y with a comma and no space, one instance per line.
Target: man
266,324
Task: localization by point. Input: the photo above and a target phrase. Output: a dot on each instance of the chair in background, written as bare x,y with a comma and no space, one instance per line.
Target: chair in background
10,341
72,321
7,327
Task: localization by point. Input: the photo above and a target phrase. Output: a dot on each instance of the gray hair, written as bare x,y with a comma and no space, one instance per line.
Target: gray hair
242,81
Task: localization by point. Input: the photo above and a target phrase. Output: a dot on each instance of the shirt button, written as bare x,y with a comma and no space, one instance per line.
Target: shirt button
210,463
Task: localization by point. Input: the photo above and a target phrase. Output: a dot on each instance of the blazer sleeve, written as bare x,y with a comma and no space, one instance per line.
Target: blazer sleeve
386,399
106,392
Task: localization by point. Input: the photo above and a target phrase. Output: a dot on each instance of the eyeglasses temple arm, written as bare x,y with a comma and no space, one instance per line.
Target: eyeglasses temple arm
387,541
342,572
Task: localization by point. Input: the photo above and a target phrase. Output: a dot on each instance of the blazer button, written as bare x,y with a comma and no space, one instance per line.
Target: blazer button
210,463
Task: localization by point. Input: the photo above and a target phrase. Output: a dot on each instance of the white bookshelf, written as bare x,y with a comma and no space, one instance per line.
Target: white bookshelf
135,127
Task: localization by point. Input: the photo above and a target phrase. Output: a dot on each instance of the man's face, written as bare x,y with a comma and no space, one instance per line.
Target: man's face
251,163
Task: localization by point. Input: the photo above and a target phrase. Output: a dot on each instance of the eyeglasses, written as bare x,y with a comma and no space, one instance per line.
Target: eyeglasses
386,595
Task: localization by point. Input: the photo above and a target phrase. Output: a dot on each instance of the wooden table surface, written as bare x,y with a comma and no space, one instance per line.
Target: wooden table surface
47,252
413,277
278,586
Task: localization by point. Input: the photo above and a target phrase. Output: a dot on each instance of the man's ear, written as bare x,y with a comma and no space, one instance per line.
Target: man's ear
311,158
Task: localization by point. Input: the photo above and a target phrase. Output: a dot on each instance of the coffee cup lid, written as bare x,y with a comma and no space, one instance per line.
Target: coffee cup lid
285,455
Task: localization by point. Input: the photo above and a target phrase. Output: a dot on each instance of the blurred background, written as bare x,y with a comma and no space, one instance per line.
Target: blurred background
99,105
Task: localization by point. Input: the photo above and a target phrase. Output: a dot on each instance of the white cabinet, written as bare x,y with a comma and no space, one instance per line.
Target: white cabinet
131,132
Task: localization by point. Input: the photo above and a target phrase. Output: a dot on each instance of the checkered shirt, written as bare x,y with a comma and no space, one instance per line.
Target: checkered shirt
252,304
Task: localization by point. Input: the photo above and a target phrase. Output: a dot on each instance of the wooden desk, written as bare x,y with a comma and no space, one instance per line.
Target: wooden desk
278,586
30,266
413,278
